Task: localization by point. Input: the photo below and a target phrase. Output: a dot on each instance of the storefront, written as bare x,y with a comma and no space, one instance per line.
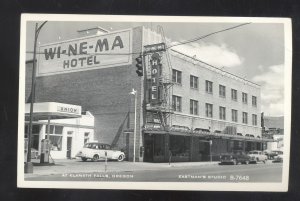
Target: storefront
190,146
63,124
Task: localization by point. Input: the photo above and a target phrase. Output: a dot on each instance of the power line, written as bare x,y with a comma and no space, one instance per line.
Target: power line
179,43
201,37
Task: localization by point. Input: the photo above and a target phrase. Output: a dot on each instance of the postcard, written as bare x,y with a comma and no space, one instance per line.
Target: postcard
154,102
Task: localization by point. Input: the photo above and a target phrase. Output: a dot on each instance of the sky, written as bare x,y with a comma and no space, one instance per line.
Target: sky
254,51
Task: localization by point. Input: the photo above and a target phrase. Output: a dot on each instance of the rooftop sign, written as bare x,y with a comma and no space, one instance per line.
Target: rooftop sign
154,48
93,52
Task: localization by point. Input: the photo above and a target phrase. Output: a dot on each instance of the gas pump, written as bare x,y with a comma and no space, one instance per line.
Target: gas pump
45,151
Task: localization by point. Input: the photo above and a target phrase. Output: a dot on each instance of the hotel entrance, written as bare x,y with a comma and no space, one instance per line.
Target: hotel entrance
154,147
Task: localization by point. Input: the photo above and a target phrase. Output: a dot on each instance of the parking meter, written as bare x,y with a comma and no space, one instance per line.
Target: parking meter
105,166
45,151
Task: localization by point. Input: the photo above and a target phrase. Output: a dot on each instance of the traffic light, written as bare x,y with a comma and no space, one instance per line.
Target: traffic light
139,65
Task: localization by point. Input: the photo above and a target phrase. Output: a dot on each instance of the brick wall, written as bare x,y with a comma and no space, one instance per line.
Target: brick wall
103,92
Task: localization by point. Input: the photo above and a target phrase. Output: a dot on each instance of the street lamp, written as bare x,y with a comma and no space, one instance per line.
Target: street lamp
134,92
28,164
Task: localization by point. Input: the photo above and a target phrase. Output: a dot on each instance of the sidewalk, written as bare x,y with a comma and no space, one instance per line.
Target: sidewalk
77,166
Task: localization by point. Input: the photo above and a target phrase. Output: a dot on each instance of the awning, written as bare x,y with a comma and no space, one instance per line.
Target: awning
209,135
53,110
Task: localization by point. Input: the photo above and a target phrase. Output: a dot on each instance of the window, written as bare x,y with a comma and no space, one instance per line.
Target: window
245,117
254,119
179,146
222,113
234,94
209,110
245,98
254,101
208,86
55,137
54,129
176,103
176,76
222,91
86,137
234,115
193,107
194,82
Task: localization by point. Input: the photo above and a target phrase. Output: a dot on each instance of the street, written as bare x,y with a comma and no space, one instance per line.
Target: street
154,172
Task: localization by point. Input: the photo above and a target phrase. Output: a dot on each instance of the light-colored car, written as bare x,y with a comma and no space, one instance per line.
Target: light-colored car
257,156
96,151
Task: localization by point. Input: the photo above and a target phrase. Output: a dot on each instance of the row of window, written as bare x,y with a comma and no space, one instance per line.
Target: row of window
177,106
176,76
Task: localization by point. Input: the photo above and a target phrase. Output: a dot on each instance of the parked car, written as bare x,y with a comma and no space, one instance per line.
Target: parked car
271,154
279,157
257,156
235,158
96,151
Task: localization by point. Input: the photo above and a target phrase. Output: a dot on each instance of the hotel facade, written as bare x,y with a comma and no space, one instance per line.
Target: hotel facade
186,110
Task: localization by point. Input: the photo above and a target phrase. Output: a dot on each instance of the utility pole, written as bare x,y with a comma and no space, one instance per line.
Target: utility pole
28,164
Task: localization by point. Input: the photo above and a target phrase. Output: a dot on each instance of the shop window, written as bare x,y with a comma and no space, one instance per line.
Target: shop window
209,110
208,87
176,76
194,82
222,91
179,146
35,141
55,129
56,142
234,94
55,137
159,146
193,107
176,103
35,129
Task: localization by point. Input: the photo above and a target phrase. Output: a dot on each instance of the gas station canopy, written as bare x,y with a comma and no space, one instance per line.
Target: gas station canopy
54,110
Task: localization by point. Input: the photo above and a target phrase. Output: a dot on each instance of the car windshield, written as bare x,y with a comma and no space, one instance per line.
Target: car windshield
88,145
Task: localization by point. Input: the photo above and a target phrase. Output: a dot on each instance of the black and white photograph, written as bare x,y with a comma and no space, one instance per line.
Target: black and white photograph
154,102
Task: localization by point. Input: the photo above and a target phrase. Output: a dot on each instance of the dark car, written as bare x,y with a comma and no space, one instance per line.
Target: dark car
271,154
234,158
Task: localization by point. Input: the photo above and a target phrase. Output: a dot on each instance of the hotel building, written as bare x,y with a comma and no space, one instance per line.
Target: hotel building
199,111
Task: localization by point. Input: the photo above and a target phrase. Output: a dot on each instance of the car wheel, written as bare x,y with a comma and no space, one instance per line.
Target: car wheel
95,158
121,157
83,159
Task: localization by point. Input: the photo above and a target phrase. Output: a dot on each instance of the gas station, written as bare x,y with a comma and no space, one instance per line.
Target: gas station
59,130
